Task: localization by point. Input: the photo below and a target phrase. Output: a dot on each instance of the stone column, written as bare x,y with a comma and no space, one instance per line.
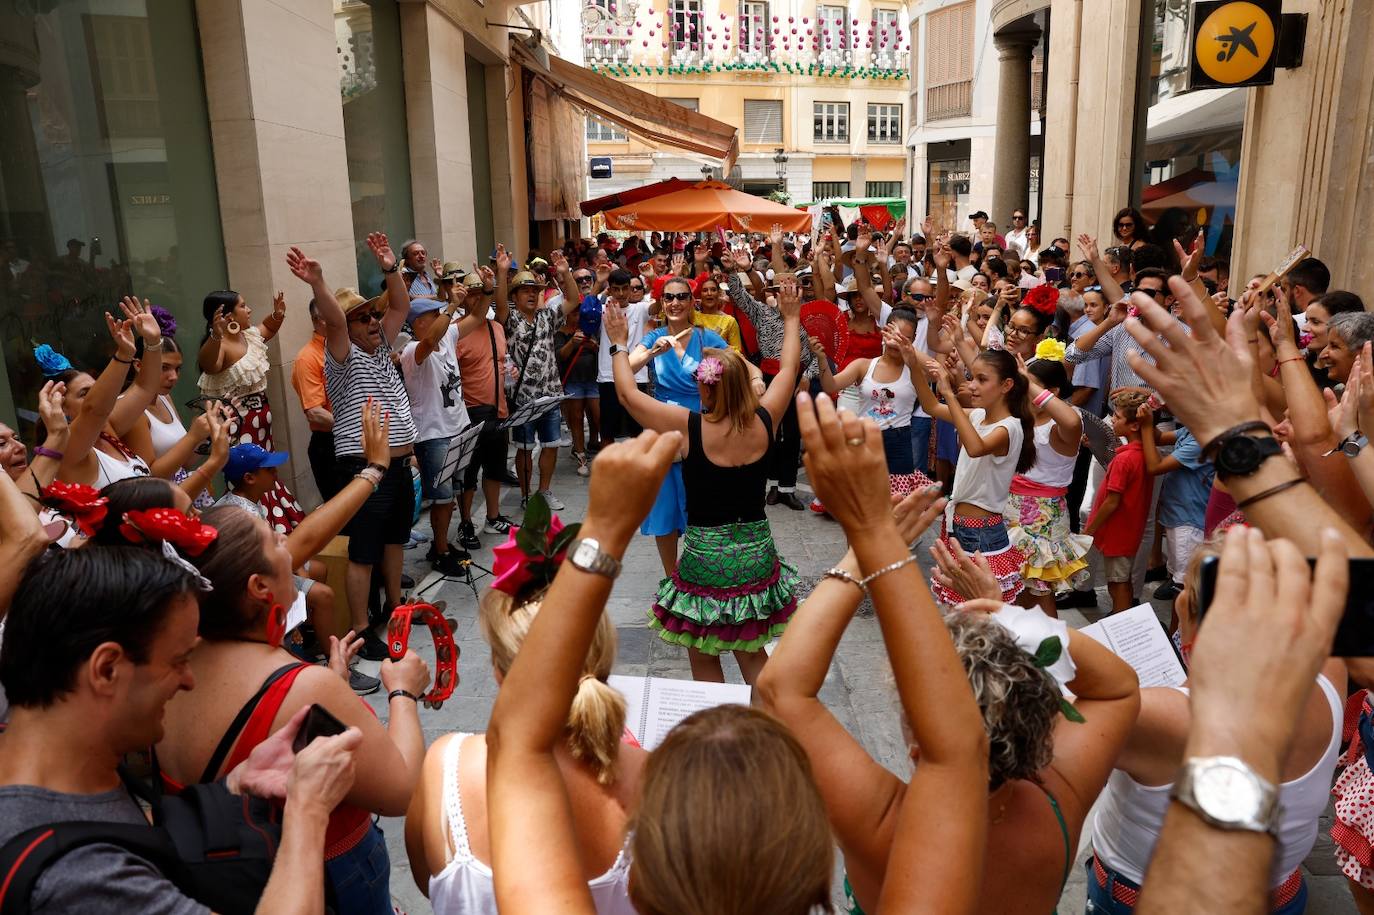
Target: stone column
1011,167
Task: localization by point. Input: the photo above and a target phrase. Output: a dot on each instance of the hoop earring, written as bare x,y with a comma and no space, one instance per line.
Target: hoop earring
233,327
276,621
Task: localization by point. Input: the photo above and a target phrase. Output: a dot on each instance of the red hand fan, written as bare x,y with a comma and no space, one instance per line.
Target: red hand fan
821,319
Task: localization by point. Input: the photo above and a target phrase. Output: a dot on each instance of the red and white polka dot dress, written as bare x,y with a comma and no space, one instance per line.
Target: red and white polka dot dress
1352,830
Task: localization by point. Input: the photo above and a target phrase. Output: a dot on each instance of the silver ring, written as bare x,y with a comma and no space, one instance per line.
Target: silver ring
854,442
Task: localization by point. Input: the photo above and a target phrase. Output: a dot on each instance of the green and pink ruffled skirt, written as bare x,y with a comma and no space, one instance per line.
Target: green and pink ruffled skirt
731,591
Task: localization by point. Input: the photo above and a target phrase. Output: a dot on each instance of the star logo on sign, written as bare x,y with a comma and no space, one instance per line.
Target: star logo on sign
1236,39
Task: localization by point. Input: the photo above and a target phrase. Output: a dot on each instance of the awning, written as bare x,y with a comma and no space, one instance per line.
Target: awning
646,116
632,195
1204,111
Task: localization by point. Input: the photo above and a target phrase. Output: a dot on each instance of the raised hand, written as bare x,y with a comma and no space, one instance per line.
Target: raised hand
51,398
279,305
744,261
700,253
625,481
559,261
503,259
603,273
775,234
899,228
679,265
845,463
376,426
488,277
940,256
140,316
617,327
380,247
306,269
1088,245
437,266
862,242
928,229
1188,261
917,512
789,297
122,332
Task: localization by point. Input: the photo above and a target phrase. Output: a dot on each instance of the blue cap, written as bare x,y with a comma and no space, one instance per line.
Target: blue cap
247,458
423,307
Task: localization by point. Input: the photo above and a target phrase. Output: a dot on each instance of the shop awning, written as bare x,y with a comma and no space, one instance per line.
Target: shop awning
648,117
1204,111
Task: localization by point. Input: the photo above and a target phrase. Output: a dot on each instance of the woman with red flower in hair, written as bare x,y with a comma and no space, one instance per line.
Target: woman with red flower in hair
1027,325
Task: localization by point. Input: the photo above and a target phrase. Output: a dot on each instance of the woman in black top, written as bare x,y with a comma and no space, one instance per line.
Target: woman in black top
731,590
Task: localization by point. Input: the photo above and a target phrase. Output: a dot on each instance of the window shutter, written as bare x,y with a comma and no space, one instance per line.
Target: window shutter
762,121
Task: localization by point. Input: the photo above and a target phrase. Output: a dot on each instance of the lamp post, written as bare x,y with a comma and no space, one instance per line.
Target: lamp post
780,166
706,172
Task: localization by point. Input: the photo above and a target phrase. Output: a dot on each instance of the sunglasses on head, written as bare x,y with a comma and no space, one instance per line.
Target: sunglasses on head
366,317
677,297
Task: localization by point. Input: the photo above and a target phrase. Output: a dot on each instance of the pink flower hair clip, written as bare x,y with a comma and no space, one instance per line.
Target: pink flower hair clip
710,370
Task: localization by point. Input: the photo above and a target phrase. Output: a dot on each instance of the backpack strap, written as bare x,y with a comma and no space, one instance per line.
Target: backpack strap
226,743
24,858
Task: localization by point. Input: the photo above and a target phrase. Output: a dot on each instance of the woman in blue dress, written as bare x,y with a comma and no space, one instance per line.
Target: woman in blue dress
675,350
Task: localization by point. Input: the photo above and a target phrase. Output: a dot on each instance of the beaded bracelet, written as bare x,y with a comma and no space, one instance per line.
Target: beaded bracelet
862,583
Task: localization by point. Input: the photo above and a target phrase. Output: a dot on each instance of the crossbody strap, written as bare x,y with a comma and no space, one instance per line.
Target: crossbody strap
497,368
226,743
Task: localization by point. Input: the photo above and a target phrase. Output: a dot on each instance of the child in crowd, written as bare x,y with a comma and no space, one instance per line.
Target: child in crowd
1183,496
997,442
250,474
1122,504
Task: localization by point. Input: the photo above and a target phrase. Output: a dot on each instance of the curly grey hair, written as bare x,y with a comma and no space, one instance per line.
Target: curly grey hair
1355,327
1019,701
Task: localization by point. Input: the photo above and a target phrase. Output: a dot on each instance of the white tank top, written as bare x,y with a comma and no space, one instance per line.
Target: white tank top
110,469
985,481
887,403
164,435
464,886
1051,468
1130,815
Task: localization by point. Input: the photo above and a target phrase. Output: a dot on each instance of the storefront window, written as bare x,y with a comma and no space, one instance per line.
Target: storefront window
368,42
1191,155
949,190
107,184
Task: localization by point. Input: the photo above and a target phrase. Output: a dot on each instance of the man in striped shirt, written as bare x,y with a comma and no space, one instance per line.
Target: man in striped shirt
415,273
358,367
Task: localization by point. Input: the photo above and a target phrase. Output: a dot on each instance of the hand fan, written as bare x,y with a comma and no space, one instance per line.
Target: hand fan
821,319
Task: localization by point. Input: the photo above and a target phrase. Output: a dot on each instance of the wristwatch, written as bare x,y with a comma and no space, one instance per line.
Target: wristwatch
588,556
1350,446
1227,794
1239,455
394,267
615,348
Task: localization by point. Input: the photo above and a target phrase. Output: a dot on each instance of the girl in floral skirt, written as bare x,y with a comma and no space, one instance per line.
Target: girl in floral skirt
1037,513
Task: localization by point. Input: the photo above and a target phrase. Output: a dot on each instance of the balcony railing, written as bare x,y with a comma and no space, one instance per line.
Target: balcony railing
951,100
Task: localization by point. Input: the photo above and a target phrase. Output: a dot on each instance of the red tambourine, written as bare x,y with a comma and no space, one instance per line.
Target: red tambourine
445,651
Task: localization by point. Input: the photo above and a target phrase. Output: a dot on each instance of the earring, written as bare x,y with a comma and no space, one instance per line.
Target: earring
276,621
233,327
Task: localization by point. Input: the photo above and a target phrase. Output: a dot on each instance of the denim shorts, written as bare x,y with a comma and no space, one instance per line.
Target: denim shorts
430,456
582,390
985,539
897,450
361,877
548,428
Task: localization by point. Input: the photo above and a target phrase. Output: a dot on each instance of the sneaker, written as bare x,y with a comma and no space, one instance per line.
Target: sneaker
467,536
374,649
555,503
420,536
498,525
583,468
361,683
818,507
434,556
1158,573
1168,591
406,582
454,563
564,442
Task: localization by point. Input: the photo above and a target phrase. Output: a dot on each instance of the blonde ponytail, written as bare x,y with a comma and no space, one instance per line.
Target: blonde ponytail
596,720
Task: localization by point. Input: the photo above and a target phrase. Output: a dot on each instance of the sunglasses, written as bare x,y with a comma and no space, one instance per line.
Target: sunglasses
583,279
1079,275
1152,293
366,317
1018,219
1125,225
677,297
635,287
919,297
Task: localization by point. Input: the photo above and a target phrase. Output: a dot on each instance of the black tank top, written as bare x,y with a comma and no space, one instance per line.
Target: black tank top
723,495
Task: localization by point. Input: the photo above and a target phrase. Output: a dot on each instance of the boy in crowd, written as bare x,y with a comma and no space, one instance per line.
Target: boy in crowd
1122,504
1183,496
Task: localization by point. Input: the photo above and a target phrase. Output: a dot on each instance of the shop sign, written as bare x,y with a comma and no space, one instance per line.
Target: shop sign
1233,43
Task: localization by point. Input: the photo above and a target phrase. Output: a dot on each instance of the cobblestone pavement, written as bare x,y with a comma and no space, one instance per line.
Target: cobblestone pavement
859,688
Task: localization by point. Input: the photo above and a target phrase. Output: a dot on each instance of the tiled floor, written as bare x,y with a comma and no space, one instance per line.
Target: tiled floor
859,688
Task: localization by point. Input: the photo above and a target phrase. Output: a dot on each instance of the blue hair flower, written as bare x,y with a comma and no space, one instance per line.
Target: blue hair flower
50,361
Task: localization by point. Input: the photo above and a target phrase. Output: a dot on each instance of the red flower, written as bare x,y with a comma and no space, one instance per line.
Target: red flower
1043,298
86,506
167,524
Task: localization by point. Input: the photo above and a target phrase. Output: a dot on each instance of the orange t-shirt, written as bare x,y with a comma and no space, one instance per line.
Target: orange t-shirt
307,377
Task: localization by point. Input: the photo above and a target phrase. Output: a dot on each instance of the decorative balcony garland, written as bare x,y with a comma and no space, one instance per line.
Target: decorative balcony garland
772,66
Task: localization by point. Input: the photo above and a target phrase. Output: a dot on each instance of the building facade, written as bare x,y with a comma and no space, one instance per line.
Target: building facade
818,91
165,148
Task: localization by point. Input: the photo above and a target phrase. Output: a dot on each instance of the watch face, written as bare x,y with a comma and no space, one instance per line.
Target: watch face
1227,793
585,554
1239,455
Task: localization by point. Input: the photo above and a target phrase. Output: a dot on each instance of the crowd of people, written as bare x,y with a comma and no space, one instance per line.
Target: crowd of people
169,628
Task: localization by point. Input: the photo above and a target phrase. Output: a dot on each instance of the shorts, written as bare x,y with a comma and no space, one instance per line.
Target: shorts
548,428
430,456
1179,546
490,457
384,519
946,442
303,584
1118,568
582,390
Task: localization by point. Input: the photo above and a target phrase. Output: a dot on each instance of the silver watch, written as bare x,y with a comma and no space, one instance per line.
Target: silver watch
588,556
1227,794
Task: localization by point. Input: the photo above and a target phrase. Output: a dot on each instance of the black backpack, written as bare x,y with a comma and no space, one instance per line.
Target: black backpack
216,847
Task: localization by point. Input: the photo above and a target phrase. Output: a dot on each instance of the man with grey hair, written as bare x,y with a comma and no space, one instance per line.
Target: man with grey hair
415,271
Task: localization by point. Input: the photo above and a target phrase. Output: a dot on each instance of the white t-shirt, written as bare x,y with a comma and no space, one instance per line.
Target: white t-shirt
636,315
1017,238
985,481
435,389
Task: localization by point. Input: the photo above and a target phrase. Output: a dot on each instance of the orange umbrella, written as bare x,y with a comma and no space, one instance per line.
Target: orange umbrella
702,207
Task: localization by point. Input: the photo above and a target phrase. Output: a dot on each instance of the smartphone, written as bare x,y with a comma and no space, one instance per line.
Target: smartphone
318,723
1354,635
1054,274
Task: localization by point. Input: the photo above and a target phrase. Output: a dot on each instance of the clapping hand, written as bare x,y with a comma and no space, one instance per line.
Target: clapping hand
845,463
916,512
626,477
963,574
380,247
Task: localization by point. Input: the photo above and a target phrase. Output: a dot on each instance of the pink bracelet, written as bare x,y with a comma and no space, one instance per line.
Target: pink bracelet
1042,398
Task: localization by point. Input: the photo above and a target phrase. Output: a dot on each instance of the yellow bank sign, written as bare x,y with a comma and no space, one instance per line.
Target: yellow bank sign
1234,42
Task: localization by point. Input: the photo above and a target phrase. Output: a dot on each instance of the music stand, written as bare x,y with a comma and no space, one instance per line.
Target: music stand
531,411
461,449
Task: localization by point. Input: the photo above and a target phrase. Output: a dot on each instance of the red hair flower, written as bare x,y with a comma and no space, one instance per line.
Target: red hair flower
168,525
1043,298
529,559
84,504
